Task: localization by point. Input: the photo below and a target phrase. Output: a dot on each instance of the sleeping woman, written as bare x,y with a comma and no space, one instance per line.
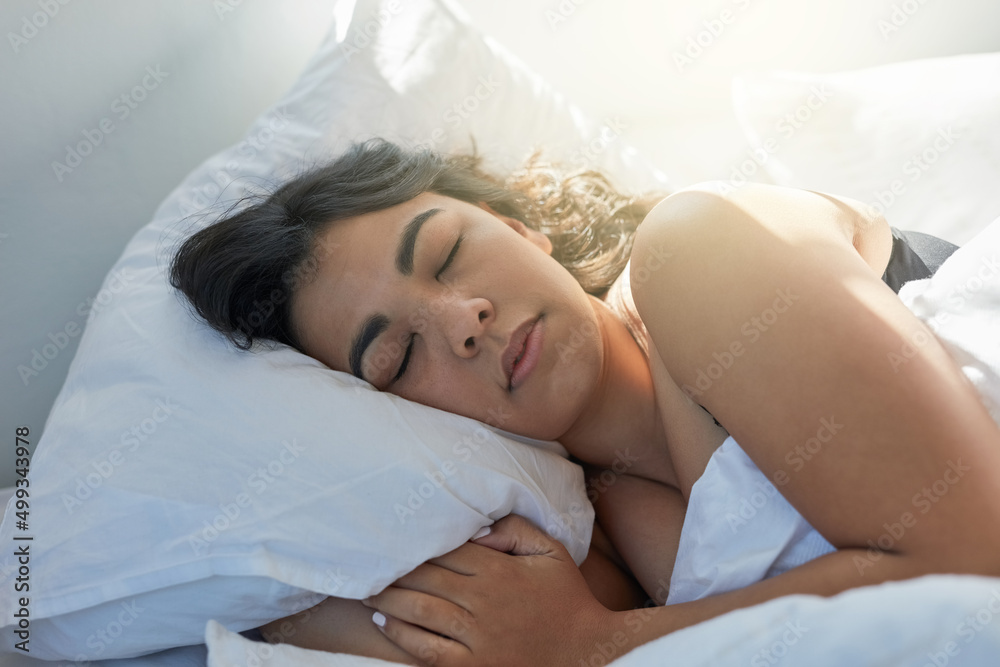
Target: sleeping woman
755,312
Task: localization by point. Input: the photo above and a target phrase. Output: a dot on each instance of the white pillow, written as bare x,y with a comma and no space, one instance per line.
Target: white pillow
179,479
226,649
919,140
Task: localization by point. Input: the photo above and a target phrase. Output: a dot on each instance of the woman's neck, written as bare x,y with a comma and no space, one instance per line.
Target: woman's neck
620,427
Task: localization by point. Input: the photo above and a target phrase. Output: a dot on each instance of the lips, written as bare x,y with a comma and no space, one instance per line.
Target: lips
522,352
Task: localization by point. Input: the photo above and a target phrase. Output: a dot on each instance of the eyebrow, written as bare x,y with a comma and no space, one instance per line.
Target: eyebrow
370,330
408,241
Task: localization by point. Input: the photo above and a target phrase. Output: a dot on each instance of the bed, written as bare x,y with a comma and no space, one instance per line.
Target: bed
165,434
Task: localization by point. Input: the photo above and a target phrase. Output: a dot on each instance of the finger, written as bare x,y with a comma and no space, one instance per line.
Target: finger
512,534
516,535
467,559
429,612
428,647
433,578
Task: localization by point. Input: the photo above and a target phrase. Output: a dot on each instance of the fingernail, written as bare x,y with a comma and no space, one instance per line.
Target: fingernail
367,602
378,619
483,532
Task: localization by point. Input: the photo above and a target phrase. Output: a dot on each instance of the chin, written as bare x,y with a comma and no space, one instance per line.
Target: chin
546,434
559,419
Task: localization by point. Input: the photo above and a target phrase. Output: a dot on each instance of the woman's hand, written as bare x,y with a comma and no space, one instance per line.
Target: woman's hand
513,597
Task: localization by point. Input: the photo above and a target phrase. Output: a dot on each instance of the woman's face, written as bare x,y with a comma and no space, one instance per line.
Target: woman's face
451,305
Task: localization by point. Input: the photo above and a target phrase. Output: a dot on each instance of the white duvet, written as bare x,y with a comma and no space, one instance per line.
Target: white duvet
935,620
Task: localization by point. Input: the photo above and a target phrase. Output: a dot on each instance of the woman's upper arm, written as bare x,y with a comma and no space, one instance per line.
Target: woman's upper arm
764,312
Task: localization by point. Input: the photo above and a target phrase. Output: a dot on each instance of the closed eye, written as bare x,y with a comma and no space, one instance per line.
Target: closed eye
448,260
406,361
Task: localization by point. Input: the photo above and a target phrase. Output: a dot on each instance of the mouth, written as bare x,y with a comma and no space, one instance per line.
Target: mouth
523,352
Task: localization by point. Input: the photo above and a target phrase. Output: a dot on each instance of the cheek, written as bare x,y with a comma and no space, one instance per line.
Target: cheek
574,375
449,389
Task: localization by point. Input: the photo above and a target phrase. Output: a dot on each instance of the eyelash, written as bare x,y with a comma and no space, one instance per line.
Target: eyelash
406,360
451,256
437,276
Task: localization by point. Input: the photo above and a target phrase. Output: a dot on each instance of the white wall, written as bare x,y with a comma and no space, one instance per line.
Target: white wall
219,69
615,58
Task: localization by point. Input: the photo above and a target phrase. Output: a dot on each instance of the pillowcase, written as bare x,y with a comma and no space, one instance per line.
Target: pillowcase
918,140
227,649
179,479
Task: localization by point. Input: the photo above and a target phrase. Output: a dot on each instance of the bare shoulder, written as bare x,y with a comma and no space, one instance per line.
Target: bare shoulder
789,213
702,227
764,311
710,243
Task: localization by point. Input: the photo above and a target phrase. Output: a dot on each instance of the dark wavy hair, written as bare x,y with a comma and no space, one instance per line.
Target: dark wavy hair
240,273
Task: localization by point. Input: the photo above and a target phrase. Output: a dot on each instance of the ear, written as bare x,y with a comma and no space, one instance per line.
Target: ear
533,235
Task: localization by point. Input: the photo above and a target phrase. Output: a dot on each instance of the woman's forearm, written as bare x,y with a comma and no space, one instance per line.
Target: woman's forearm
824,576
564,626
607,575
643,519
340,625
337,625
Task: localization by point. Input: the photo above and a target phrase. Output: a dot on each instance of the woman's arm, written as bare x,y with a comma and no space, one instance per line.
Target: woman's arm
337,625
643,519
813,389
340,625
477,607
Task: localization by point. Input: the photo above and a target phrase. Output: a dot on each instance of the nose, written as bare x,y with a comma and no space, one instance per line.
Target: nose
465,323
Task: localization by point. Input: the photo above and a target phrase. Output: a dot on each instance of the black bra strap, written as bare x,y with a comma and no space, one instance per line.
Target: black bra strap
915,255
